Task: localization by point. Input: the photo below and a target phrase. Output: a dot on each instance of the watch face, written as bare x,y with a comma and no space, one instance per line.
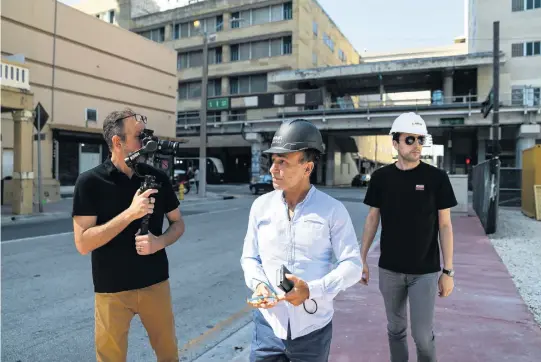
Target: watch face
451,273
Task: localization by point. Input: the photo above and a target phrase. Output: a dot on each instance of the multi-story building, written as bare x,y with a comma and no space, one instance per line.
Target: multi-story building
520,76
247,40
80,70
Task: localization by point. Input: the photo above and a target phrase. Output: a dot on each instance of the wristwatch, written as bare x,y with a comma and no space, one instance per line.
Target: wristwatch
449,272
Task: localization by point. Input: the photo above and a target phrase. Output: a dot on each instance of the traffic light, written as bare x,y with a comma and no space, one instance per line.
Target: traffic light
468,161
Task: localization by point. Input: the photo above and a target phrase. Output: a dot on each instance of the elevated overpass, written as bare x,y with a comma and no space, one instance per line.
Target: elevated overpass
457,84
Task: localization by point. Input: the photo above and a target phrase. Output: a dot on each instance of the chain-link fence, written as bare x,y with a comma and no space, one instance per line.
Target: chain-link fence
486,193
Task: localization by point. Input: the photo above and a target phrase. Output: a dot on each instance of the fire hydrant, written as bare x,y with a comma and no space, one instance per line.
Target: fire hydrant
181,192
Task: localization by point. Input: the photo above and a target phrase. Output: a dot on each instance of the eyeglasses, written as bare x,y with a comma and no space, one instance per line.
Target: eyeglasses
138,118
409,140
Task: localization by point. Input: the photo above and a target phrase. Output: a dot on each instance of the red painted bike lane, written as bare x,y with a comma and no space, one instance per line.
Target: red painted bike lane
484,320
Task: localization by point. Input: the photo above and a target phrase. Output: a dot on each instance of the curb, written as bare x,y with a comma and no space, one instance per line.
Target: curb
13,220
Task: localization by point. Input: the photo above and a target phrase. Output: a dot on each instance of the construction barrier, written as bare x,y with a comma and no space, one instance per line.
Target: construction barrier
531,182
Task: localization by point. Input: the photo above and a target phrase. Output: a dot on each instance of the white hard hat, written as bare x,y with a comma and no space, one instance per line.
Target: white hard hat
409,123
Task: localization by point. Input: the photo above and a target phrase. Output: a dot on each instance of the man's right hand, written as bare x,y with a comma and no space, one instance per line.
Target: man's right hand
365,277
142,204
265,303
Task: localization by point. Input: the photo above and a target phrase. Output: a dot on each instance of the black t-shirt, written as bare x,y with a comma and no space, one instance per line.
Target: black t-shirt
409,201
105,192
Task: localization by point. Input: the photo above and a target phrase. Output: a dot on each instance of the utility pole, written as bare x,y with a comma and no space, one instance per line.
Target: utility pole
496,91
203,116
40,204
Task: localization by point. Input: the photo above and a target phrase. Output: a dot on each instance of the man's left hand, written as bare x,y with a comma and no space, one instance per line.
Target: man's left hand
445,285
147,244
299,293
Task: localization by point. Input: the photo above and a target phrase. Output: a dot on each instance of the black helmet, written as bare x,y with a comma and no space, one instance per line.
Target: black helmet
296,135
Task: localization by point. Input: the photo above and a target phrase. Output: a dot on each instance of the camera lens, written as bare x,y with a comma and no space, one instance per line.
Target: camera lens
169,147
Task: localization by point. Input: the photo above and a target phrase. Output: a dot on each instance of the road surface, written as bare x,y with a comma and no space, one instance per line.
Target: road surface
47,292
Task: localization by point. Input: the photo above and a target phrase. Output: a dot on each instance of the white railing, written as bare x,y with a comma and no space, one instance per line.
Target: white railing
13,75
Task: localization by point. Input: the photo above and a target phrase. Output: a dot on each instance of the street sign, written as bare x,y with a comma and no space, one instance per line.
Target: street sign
487,105
218,103
452,121
41,117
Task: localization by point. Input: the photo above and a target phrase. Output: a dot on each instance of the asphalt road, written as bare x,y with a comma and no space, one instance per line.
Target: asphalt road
47,292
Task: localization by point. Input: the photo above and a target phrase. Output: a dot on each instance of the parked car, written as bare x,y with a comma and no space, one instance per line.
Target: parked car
263,184
360,180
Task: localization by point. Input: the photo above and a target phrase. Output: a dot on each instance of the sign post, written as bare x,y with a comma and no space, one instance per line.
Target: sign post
40,119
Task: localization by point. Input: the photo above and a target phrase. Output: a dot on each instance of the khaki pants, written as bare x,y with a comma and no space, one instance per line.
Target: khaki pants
114,312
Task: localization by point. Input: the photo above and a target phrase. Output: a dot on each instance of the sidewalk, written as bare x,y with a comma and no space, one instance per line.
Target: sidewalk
62,209
484,319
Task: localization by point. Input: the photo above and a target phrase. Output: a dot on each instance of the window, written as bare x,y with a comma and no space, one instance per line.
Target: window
328,41
248,84
314,28
314,59
157,35
522,5
525,96
288,11
91,114
186,30
342,56
261,49
195,58
527,49
192,90
256,16
112,16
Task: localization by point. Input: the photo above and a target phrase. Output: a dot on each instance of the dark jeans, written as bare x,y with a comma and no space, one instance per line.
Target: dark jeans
421,290
266,347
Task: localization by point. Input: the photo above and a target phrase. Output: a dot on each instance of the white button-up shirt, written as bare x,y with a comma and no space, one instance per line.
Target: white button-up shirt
320,228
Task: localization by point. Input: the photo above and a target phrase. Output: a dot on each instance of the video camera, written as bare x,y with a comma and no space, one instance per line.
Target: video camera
150,145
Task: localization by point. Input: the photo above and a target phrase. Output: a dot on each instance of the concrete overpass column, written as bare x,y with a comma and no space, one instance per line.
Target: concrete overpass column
257,146
23,175
526,137
447,152
448,86
329,172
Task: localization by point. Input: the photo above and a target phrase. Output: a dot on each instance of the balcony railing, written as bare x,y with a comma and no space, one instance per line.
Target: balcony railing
468,103
15,76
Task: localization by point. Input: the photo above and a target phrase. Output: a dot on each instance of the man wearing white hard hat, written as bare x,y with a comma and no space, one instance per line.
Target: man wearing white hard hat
413,200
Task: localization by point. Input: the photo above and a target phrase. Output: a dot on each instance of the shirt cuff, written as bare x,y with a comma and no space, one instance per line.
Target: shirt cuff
316,288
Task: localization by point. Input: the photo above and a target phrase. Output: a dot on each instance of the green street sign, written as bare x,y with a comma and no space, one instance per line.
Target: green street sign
218,103
452,121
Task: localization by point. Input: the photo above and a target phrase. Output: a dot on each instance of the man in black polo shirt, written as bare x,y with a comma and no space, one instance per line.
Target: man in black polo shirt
130,271
414,201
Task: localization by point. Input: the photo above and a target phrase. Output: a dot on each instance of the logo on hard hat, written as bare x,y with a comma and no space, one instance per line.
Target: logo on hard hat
416,123
277,139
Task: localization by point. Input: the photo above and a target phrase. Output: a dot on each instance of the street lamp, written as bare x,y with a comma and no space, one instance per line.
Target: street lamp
203,114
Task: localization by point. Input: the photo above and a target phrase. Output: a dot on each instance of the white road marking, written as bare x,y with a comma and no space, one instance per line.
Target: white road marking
71,232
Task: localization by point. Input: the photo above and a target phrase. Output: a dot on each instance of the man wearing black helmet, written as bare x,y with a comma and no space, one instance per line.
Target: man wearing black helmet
292,235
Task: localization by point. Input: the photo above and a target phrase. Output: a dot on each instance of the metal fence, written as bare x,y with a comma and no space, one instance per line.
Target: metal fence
510,186
486,193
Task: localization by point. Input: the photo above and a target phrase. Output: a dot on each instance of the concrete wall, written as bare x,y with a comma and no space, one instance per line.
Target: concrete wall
376,148
460,188
96,65
309,43
515,27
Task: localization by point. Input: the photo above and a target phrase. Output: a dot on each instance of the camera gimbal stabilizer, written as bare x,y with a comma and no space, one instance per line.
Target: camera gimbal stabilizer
150,146
149,181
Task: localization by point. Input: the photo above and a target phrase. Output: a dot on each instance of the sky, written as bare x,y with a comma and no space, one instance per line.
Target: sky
393,25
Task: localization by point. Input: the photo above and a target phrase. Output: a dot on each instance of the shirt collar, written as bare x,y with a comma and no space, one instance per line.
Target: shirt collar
110,167
306,198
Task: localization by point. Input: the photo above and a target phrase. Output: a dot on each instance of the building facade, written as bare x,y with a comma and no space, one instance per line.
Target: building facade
520,75
81,69
247,40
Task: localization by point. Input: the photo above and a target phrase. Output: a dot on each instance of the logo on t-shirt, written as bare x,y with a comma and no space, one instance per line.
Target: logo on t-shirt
419,187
